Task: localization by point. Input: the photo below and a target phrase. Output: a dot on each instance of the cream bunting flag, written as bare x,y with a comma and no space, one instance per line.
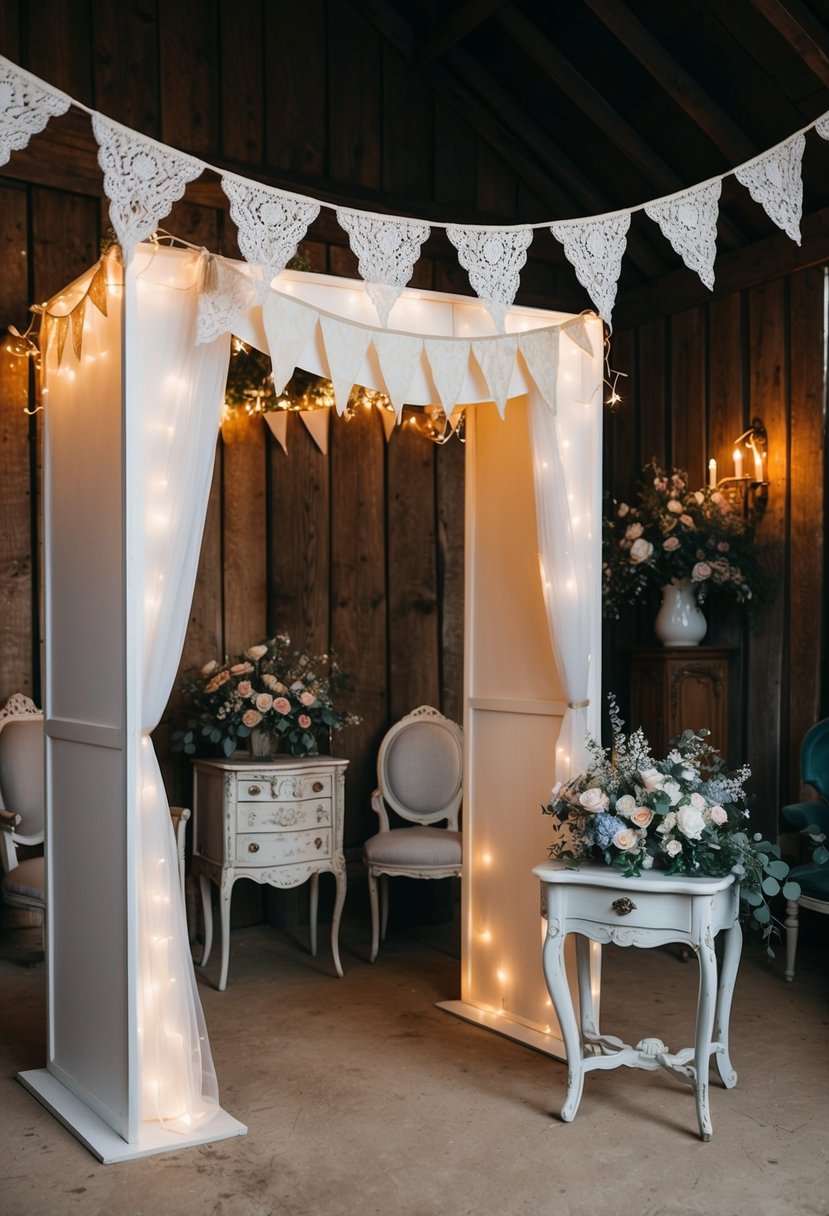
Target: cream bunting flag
496,358
493,258
398,356
540,349
317,424
576,331
142,180
448,363
277,421
26,105
774,180
289,327
689,222
345,347
387,250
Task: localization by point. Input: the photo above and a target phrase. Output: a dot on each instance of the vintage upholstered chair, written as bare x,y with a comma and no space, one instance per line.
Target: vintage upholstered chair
420,779
180,816
23,882
812,877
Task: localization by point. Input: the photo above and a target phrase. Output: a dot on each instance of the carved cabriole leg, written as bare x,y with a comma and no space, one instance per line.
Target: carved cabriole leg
375,915
314,905
792,926
704,943
207,913
384,905
587,1012
554,973
225,892
733,944
336,916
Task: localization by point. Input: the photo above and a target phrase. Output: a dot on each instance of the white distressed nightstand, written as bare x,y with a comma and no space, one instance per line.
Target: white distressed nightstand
278,822
600,905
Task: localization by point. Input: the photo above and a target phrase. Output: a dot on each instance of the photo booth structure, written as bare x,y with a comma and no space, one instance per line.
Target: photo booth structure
135,366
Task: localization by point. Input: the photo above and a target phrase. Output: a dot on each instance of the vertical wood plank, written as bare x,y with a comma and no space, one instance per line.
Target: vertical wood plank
413,620
454,158
295,105
242,80
125,62
244,531
806,538
688,394
767,334
495,185
358,603
188,41
66,239
58,37
354,97
407,129
652,392
622,471
450,480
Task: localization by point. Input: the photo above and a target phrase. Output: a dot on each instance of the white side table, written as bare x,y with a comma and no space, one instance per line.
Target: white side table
599,904
278,822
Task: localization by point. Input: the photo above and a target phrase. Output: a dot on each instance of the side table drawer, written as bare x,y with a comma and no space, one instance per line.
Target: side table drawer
650,911
274,787
280,848
268,816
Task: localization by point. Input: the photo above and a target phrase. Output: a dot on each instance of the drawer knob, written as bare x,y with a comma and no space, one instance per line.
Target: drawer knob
623,906
254,790
318,842
253,847
317,787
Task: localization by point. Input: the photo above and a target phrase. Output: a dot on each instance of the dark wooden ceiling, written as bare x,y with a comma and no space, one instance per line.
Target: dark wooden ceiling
600,104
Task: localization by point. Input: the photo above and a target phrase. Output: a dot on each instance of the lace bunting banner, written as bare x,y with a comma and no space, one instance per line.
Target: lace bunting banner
142,180
345,347
226,295
594,247
270,224
689,222
493,258
387,251
774,181
496,359
289,328
398,355
26,105
540,350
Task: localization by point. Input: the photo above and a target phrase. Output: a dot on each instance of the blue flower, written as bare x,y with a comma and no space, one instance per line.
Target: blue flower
605,828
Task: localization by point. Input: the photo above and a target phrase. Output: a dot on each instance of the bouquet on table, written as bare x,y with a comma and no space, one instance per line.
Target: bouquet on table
270,688
685,814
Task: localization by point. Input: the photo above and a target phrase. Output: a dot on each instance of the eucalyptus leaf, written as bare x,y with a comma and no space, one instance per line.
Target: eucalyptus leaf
771,886
791,890
820,855
229,746
762,914
753,898
778,869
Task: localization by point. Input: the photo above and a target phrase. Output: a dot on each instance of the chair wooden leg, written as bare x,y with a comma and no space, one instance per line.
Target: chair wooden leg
792,926
384,906
375,916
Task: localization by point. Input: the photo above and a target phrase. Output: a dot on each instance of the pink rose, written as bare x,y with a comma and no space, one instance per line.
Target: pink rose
209,668
675,506
723,546
622,510
282,705
640,551
304,721
633,530
218,680
244,688
700,572
263,702
641,817
718,815
672,848
626,840
240,669
307,698
251,717
687,521
671,543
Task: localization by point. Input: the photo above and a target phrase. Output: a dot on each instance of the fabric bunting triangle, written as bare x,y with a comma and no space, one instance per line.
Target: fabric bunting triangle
387,250
448,362
689,222
774,180
496,359
270,224
277,421
540,349
226,295
142,180
289,327
398,356
493,258
345,347
594,247
317,425
26,105
576,331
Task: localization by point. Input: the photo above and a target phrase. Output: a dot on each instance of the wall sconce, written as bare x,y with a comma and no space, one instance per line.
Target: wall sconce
750,479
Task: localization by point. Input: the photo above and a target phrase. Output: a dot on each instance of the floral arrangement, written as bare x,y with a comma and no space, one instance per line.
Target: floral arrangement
271,688
685,814
675,533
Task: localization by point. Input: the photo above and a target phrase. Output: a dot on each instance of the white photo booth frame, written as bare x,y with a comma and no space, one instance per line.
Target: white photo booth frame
133,410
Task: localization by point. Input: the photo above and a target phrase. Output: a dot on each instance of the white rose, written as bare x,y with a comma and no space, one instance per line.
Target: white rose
672,847
256,653
647,862
209,668
697,800
625,805
668,823
626,840
690,822
651,779
675,506
556,790
640,551
718,815
672,789
622,510
642,817
593,800
634,531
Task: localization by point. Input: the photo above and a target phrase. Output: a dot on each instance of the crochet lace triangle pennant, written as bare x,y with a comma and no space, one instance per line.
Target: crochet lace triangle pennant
774,181
689,222
387,250
26,105
493,258
594,247
270,224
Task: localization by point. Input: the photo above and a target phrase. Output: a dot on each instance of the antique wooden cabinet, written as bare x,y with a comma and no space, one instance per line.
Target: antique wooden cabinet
678,688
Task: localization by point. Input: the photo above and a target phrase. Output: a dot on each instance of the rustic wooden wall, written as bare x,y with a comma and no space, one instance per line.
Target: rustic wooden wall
695,379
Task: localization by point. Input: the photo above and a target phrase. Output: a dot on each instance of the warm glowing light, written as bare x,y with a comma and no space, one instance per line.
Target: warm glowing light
486,858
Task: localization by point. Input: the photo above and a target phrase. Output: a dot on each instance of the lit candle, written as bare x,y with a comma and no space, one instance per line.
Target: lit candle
738,463
712,473
758,465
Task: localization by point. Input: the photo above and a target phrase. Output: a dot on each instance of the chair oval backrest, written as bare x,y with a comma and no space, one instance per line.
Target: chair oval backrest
420,767
21,775
814,758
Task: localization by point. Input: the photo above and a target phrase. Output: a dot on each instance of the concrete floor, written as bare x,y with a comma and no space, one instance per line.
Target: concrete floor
361,1097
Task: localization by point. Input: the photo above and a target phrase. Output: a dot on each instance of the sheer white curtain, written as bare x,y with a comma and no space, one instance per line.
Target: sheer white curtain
176,387
567,471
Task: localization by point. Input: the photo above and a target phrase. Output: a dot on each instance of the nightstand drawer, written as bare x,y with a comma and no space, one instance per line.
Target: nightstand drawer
648,911
283,816
281,848
274,787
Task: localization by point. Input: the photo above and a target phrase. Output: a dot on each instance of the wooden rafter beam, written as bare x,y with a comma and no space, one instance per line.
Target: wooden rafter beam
677,83
590,101
804,34
465,19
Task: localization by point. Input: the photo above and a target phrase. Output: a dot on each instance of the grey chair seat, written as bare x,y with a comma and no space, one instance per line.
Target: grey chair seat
414,846
26,883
